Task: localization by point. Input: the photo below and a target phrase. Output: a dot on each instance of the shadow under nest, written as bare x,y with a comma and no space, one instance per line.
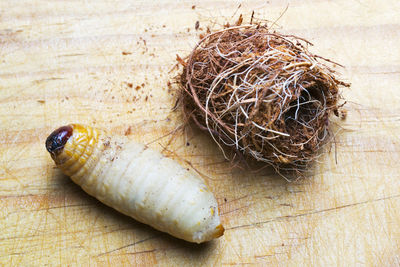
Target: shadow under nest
262,95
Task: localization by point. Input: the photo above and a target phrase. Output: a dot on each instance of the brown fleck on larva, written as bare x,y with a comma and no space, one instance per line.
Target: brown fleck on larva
137,181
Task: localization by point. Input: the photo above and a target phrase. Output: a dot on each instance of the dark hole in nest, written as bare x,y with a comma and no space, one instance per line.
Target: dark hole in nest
305,110
261,94
304,117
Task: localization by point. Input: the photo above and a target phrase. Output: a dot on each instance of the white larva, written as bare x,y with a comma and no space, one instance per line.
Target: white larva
137,181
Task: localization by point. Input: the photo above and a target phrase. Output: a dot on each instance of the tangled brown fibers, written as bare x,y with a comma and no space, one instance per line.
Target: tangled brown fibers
261,93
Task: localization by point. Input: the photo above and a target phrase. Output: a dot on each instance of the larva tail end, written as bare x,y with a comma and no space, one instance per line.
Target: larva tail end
219,231
208,235
56,141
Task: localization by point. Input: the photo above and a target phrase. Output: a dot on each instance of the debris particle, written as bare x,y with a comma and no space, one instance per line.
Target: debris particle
343,114
180,60
239,21
128,131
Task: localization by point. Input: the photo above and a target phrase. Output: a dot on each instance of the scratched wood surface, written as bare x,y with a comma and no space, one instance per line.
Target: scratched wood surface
107,64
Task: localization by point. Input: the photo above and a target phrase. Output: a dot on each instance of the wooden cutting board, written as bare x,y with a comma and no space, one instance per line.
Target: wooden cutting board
108,64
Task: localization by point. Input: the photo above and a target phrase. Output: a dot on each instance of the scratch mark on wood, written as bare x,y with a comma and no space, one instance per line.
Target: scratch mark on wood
235,199
139,252
280,218
71,55
48,79
237,209
126,246
67,206
237,263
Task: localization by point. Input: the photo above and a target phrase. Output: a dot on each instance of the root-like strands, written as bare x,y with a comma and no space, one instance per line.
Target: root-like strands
262,94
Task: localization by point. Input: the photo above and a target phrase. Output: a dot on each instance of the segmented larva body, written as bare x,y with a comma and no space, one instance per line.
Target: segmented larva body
137,181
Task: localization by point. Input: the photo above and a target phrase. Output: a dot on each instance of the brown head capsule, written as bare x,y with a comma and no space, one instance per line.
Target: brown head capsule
57,140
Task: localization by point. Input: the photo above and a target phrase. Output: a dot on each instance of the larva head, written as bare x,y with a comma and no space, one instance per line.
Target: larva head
70,146
56,141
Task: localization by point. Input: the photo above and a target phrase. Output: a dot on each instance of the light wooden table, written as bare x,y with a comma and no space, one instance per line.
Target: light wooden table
81,61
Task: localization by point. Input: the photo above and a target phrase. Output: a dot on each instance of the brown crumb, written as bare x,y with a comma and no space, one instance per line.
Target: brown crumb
128,131
193,7
130,85
137,87
126,53
197,25
343,114
41,101
240,20
180,60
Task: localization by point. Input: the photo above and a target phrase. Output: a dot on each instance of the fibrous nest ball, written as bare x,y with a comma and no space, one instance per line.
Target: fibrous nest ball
261,94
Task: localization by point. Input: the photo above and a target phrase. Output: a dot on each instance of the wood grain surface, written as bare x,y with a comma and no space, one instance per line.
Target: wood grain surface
108,63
